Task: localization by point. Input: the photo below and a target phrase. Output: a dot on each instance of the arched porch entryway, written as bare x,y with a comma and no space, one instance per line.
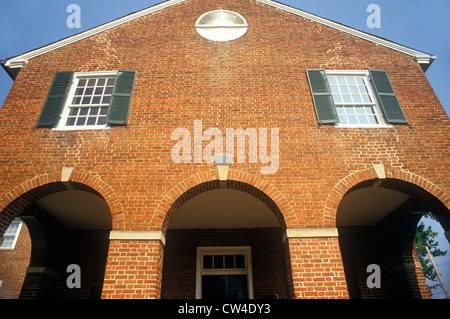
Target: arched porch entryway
224,240
377,221
67,223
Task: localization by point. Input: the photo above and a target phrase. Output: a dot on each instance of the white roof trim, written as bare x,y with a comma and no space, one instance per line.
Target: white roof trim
21,60
424,59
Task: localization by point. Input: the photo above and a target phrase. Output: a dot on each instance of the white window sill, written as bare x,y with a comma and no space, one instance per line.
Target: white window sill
363,126
92,128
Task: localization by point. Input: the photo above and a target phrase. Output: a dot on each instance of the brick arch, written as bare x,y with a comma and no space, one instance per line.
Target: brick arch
208,180
409,183
23,195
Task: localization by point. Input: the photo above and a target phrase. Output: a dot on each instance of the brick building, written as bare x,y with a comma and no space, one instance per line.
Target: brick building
334,145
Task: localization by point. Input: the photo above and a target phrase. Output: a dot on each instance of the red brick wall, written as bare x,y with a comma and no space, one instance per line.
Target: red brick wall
133,270
317,268
256,81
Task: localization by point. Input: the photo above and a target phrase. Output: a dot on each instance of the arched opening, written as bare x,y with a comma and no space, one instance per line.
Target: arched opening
377,222
224,240
66,223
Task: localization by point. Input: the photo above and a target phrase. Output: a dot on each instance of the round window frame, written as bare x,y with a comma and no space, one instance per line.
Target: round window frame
213,36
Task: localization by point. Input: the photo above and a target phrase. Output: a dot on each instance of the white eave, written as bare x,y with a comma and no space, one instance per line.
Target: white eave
13,65
424,59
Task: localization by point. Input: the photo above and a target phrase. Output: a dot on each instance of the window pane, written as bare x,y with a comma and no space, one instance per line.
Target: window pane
229,261
101,120
347,98
356,98
341,80
87,100
218,261
106,99
94,110
344,89
240,261
12,229
71,121
342,119
7,241
109,90
363,120
84,111
334,89
207,262
96,100
81,121
366,99
337,99
360,110
354,89
372,119
332,80
352,119
76,100
89,91
91,120
363,90
368,109
351,81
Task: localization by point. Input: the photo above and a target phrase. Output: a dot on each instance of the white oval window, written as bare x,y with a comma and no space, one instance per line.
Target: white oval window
221,25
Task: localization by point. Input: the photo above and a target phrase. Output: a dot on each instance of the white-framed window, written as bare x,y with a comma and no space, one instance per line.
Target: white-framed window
221,25
88,101
355,100
11,235
224,273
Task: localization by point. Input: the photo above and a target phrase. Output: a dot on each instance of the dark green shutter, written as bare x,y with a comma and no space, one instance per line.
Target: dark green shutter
121,98
56,97
389,103
322,98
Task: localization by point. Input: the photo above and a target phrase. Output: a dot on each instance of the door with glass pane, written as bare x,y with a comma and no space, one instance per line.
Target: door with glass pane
224,273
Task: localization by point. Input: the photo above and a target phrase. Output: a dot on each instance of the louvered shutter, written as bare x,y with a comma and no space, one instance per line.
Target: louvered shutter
322,98
121,98
56,97
388,100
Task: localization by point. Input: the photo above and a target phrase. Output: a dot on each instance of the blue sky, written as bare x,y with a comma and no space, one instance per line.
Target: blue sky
421,24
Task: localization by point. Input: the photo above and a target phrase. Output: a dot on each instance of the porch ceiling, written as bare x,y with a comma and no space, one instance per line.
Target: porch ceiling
368,206
78,210
223,208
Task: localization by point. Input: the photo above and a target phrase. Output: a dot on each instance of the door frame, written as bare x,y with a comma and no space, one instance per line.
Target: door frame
224,250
